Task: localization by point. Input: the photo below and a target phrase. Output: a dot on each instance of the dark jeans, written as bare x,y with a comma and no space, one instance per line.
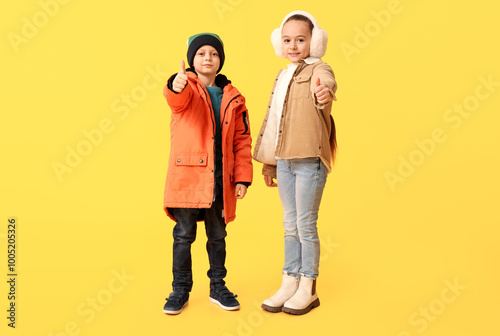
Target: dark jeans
185,235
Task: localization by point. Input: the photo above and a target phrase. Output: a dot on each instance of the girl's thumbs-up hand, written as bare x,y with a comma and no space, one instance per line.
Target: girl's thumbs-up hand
180,81
323,95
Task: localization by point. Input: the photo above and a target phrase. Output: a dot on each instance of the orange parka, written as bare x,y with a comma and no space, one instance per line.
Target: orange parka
190,176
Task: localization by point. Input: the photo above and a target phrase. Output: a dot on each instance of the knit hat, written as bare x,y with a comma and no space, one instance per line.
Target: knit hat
197,41
319,38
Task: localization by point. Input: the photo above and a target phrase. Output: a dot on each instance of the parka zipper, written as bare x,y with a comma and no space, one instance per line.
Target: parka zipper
212,117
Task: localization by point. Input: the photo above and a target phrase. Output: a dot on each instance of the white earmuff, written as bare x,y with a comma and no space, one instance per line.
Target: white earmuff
276,41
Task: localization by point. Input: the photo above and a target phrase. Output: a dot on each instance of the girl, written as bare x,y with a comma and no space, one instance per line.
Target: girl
297,144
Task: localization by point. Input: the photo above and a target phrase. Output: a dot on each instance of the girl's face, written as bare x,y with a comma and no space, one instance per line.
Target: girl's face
296,40
206,61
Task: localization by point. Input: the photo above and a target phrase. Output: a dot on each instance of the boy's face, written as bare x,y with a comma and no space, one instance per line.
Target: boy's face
206,61
296,40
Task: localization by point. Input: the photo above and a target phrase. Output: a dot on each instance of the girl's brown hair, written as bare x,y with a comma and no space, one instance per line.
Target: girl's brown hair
298,17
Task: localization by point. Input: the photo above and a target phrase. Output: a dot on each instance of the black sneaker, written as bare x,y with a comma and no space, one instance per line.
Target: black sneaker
176,302
224,298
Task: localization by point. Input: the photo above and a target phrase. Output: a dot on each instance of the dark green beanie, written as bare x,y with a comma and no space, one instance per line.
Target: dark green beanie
197,41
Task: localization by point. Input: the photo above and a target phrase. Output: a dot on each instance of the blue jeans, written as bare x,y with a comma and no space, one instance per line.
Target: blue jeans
300,185
185,234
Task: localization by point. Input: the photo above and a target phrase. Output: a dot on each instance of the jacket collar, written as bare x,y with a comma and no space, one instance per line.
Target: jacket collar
304,63
312,60
220,80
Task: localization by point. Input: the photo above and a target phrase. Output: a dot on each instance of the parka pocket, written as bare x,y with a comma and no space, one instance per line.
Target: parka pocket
301,86
190,171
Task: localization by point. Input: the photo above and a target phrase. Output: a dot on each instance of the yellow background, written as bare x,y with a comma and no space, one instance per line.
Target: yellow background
388,254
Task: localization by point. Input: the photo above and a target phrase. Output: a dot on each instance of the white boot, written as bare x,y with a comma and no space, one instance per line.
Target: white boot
288,287
304,299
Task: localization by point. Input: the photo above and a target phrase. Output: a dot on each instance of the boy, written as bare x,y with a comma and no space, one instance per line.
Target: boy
210,165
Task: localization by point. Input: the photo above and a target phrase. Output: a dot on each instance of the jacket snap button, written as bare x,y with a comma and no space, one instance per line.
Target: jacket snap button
201,161
178,160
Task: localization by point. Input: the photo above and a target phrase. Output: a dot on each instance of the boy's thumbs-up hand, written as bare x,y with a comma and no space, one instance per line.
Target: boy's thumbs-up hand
323,94
180,81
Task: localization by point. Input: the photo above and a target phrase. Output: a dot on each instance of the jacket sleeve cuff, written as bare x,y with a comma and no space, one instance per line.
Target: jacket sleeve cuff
246,184
269,170
170,83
